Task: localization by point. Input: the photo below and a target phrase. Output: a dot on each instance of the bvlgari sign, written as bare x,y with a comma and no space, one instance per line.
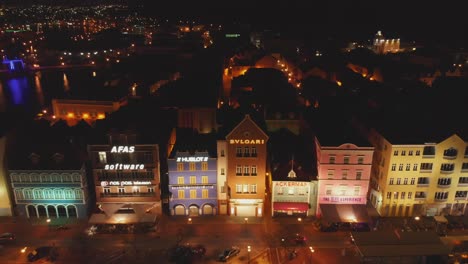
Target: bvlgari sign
247,141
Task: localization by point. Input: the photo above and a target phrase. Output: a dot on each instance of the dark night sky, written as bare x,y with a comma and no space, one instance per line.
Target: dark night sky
411,19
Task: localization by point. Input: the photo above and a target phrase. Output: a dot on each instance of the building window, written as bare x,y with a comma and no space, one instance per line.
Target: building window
461,194
223,189
222,171
395,195
395,153
403,152
136,189
254,170
344,174
106,190
358,175
389,195
331,173
193,180
398,181
391,181
402,196
246,170
426,166
192,166
405,181
357,190
102,157
408,167
360,160
328,190
181,194
238,188
346,160
246,151
393,167
410,194
279,190
410,153
147,157
400,167
121,190
222,153
301,191
193,194
254,152
418,153
332,159
415,167
150,190
342,190
180,167
290,191
245,188
253,188
205,193
412,181
204,166
204,179
238,170
238,151
464,166
180,180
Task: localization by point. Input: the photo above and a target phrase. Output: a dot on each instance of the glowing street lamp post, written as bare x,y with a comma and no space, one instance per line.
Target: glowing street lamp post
248,251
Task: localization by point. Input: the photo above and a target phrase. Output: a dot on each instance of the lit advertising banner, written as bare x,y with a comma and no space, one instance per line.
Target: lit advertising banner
341,199
119,166
192,159
124,183
247,141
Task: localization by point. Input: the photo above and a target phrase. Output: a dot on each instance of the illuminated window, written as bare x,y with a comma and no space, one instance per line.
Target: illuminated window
180,166
328,190
193,194
412,181
69,194
246,170
204,166
78,194
344,174
391,181
395,195
360,160
346,160
403,152
204,179
192,166
246,151
254,170
358,175
331,173
398,181
415,167
332,160
136,189
389,195
38,194
279,190
222,153
357,190
343,190
193,179
238,152
245,188
400,167
410,194
28,194
121,190
102,157
238,170
238,188
418,152
253,188
408,167
222,171
410,153
19,194
49,194
290,191
405,181
254,152
205,193
402,196
180,180
150,189
181,194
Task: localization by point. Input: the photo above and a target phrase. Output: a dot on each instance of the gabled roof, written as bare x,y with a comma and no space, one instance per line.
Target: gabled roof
245,120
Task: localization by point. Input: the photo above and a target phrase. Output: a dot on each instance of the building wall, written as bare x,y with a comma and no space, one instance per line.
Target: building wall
52,189
5,202
179,169
201,119
247,136
222,176
109,177
338,180
420,184
73,111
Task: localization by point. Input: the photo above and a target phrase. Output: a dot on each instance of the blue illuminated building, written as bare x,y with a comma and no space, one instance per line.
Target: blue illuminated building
48,182
192,171
15,65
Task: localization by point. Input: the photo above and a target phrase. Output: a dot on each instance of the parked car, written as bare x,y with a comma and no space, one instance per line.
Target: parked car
229,253
48,253
299,239
5,237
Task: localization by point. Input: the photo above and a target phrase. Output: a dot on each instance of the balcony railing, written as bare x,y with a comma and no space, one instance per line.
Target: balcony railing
104,195
443,185
440,199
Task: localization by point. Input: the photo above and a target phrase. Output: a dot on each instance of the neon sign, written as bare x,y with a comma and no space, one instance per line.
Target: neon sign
123,149
246,141
291,184
124,183
192,159
119,166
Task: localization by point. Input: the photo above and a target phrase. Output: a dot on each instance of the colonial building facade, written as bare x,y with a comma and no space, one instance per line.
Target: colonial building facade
126,180
421,178
192,183
245,162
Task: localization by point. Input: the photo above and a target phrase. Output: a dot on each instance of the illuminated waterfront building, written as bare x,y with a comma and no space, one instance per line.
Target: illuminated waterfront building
126,180
48,181
72,111
192,171
5,201
344,160
242,161
413,177
383,46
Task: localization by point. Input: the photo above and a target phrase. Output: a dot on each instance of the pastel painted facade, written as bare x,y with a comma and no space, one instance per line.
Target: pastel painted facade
193,184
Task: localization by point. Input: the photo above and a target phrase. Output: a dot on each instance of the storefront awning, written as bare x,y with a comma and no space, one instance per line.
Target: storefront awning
124,214
440,219
290,206
343,213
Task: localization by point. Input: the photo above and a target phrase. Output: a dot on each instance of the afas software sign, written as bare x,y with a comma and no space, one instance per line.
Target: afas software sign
120,166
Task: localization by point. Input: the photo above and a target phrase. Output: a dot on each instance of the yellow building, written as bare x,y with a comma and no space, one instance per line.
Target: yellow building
419,179
72,111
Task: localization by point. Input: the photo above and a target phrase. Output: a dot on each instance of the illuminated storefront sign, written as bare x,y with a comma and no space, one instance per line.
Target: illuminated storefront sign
341,199
291,184
119,166
123,149
192,159
246,141
124,183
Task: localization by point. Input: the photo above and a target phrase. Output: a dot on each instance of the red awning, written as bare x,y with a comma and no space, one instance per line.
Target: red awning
290,206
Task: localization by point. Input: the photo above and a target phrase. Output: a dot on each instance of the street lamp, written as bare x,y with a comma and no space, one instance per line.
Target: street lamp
299,219
190,220
311,252
23,250
248,251
246,220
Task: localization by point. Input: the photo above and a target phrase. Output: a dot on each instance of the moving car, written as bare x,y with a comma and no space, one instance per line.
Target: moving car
5,237
42,252
229,253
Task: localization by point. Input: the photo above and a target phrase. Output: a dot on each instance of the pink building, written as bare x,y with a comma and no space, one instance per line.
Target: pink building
344,161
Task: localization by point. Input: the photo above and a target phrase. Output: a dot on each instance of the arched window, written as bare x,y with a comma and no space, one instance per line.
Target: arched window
55,177
78,194
32,211
52,211
19,194
62,211
68,194
45,177
28,194
42,211
66,177
38,194
25,177
76,177
72,213
58,194
48,194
